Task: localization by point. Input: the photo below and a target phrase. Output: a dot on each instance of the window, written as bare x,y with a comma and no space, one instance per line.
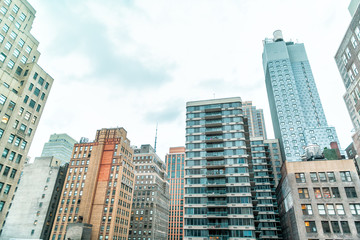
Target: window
330,209
12,156
314,177
310,227
348,53
21,42
11,106
355,209
13,35
317,193
335,227
8,46
322,177
331,177
2,99
345,176
13,173
5,118
46,85
356,72
3,10
18,158
24,59
354,42
15,9
38,108
326,226
7,2
350,192
7,189
11,64
1,132
5,153
27,114
2,203
41,81
11,138
28,49
335,192
32,103
5,28
306,209
2,57
357,225
22,17
42,96
1,38
303,193
36,91
326,192
340,209
321,209
23,144
300,177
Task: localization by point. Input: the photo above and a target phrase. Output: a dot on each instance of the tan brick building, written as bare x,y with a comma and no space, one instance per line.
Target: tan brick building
99,187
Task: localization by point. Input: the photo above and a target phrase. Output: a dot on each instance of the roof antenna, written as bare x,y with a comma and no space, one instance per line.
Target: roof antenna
156,137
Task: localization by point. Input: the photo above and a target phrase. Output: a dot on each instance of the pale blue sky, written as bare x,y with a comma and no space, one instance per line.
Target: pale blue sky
135,63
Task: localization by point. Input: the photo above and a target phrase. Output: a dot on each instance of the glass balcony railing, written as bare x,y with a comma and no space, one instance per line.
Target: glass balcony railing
218,145
215,172
207,114
218,225
216,192
214,137
215,154
218,237
215,163
217,213
213,129
217,182
213,121
216,203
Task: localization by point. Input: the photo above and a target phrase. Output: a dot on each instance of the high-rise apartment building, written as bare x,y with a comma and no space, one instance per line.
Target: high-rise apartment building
255,120
297,114
24,88
59,146
319,200
98,187
150,207
175,161
33,209
229,186
348,61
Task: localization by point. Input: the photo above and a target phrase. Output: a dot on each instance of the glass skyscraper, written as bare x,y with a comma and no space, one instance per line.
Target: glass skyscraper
229,185
295,106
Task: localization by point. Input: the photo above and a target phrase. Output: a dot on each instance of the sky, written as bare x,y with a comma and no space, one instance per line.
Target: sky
134,64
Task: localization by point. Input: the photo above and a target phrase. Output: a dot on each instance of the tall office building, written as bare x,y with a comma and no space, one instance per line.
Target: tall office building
348,62
33,209
59,146
150,208
229,186
24,88
175,161
98,187
297,114
255,120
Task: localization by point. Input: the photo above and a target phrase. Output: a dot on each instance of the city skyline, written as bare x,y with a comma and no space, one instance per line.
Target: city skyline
150,51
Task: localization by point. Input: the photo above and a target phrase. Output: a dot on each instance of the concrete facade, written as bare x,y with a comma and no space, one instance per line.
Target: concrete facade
296,111
175,161
24,88
59,146
150,207
319,200
99,187
34,206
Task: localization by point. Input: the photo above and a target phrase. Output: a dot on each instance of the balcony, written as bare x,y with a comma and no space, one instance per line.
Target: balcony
214,139
215,164
215,193
217,214
214,155
213,130
218,225
217,203
216,172
218,237
217,182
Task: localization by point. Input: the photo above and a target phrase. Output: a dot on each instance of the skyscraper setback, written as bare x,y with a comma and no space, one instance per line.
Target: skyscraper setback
297,114
24,89
99,187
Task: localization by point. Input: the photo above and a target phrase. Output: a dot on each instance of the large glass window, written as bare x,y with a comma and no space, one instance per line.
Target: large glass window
310,227
350,192
300,177
303,193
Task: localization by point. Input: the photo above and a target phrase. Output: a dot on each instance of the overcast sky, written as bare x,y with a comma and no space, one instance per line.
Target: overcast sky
135,63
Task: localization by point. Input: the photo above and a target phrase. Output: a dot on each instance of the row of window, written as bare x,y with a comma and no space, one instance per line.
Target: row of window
310,227
323,177
12,154
326,193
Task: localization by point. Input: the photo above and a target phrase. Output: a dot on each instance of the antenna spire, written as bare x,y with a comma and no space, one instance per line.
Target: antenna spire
156,137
